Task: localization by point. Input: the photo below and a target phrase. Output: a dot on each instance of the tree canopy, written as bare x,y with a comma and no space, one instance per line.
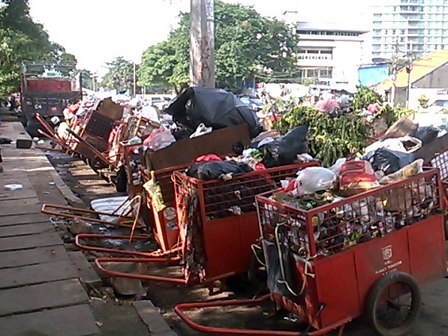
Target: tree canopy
22,39
120,75
245,44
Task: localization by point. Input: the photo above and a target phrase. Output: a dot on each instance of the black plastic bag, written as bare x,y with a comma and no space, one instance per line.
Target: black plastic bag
426,134
284,150
389,161
293,143
212,170
214,108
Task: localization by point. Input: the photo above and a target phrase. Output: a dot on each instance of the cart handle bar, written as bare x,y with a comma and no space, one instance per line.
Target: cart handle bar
155,254
251,332
145,277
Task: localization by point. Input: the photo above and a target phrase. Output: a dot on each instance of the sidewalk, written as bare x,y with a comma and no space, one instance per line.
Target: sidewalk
41,292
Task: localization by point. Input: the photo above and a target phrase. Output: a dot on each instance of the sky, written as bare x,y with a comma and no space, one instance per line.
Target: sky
97,31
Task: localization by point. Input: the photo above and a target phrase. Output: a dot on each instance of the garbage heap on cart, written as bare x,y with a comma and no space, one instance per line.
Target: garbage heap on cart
216,188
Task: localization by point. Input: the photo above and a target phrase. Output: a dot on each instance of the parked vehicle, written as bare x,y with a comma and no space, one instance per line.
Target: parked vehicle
437,106
47,88
254,103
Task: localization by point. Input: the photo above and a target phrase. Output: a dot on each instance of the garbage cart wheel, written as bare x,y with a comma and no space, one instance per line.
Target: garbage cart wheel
393,304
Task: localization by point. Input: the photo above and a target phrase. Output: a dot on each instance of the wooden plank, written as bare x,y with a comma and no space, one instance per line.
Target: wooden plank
5,203
86,272
23,219
39,273
25,229
48,295
68,321
22,243
35,209
33,256
17,194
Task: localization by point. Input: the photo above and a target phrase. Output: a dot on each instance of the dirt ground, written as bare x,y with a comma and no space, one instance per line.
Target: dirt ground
87,185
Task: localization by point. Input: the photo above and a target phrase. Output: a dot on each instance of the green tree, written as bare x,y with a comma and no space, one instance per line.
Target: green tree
120,75
86,79
245,44
21,39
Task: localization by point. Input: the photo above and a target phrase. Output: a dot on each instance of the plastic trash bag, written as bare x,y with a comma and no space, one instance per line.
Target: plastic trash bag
426,134
337,165
212,170
406,144
159,139
292,143
283,150
388,161
411,169
201,130
313,179
215,108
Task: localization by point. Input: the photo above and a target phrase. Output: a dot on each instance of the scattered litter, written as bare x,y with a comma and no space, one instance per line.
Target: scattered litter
41,142
99,324
36,139
14,186
51,183
46,192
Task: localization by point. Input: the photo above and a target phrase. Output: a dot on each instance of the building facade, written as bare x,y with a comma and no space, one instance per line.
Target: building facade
403,27
329,54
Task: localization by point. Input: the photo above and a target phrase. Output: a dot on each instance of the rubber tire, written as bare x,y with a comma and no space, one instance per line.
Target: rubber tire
376,290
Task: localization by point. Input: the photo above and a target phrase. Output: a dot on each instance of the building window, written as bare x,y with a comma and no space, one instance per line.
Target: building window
326,73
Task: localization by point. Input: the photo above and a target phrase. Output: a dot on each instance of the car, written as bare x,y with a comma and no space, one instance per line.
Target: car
437,106
254,103
159,101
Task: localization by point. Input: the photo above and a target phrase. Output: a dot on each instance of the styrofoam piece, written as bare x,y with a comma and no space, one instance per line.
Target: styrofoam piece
108,205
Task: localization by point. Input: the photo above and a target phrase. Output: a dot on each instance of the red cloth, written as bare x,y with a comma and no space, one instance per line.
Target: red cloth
208,157
259,166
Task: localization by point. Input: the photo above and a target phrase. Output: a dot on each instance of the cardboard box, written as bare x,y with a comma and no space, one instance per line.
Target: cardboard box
184,151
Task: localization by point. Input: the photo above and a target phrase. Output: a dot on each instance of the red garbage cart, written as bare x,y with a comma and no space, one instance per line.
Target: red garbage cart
217,223
363,255
440,161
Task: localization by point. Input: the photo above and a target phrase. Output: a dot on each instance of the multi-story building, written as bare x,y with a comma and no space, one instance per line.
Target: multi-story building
401,27
329,53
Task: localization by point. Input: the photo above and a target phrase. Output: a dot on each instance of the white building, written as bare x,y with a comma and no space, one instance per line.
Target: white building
403,26
330,53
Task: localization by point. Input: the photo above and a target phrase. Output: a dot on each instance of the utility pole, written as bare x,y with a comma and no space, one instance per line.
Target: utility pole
135,93
202,43
394,71
409,70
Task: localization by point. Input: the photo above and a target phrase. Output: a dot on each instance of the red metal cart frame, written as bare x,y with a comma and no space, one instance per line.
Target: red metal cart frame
333,281
227,240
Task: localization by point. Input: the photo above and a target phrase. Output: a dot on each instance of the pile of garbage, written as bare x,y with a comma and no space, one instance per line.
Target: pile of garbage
350,215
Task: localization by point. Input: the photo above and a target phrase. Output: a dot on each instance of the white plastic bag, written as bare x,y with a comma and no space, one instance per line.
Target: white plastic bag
396,144
159,139
337,165
201,130
313,179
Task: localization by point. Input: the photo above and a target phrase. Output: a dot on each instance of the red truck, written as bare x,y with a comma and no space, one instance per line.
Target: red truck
46,89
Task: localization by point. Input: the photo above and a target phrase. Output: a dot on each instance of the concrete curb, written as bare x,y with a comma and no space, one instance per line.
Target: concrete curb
151,317
71,198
